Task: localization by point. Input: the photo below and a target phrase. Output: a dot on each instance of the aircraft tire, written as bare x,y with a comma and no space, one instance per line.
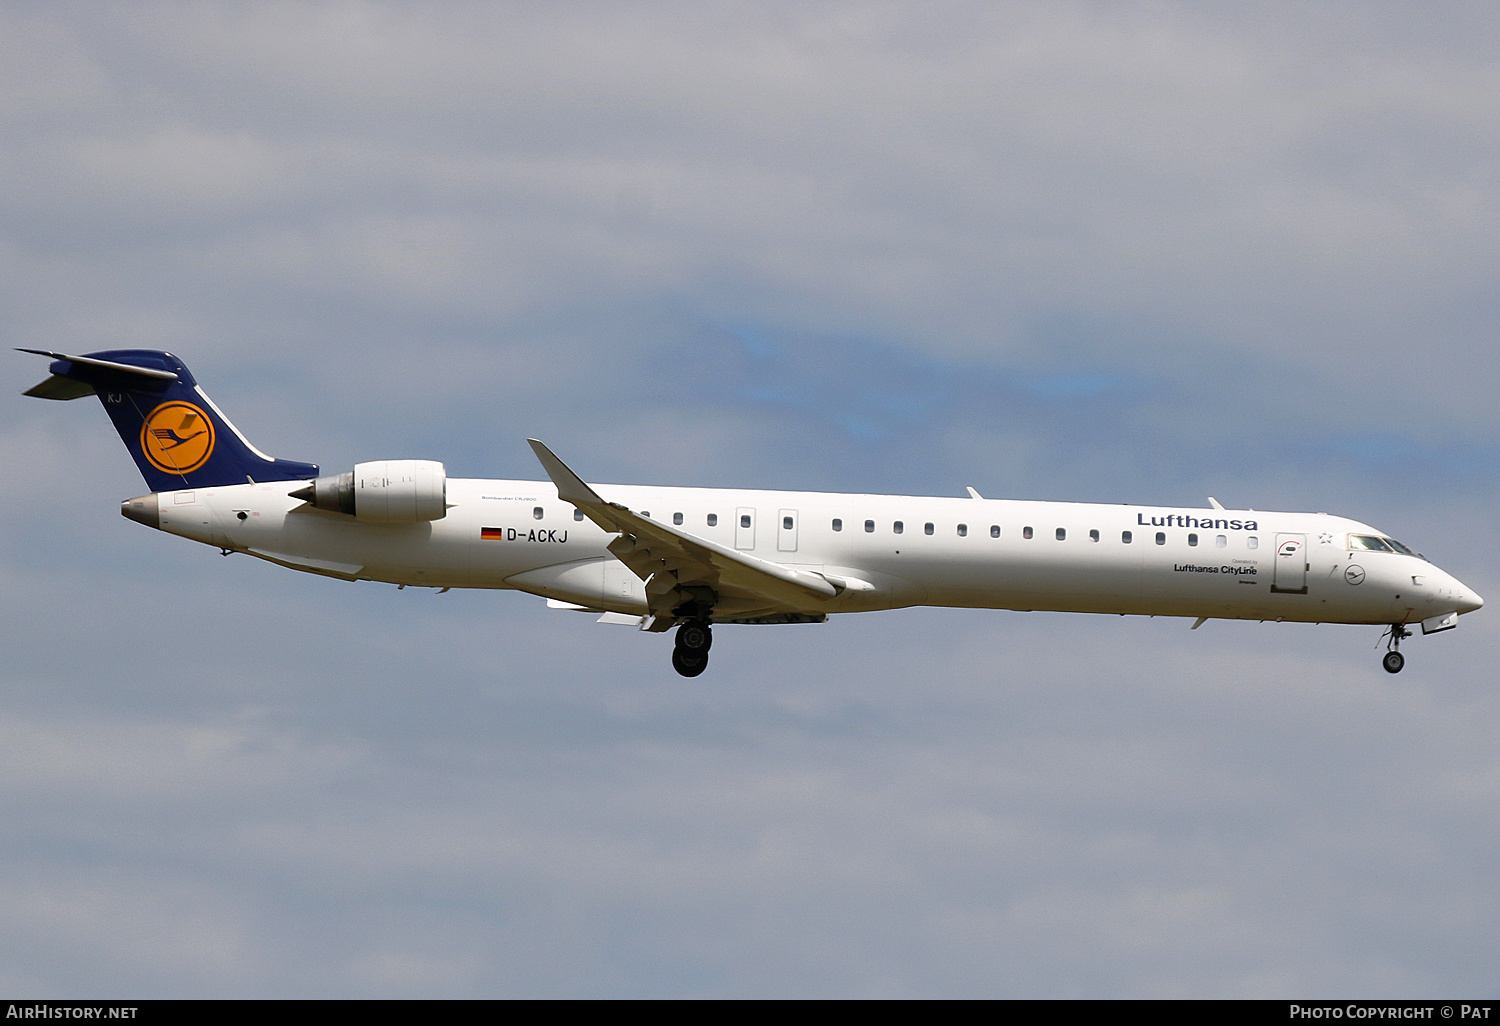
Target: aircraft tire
1393,662
696,637
688,664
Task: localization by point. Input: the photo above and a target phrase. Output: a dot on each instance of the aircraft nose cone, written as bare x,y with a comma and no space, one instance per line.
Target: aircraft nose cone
143,510
1468,600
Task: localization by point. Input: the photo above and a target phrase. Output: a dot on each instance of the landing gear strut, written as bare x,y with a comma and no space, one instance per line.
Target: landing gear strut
690,656
1393,659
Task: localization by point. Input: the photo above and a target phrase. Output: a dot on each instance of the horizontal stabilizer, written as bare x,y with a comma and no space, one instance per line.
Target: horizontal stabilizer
59,387
78,378
106,365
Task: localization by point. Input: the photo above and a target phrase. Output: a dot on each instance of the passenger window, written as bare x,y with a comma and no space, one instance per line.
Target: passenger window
1125,537
869,527
898,527
645,512
677,518
1062,534
1093,536
745,520
994,530
1252,542
1220,541
578,514
926,528
713,520
838,525
786,523
1161,537
1025,532
536,512
1192,541
963,530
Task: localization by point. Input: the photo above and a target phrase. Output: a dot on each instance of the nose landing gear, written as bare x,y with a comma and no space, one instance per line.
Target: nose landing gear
690,655
1393,660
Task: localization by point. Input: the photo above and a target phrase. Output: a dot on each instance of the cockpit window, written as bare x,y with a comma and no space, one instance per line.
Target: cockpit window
1393,543
1368,541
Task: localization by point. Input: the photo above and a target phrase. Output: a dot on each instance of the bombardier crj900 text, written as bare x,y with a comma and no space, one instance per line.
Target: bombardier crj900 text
693,557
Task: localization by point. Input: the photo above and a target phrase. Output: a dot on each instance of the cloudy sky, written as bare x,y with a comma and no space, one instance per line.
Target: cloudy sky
1125,253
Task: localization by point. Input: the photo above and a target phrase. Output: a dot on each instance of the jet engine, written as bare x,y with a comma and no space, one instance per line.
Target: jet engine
383,491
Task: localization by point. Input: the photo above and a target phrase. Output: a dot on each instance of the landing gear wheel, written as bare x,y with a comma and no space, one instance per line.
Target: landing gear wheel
1394,660
689,664
695,636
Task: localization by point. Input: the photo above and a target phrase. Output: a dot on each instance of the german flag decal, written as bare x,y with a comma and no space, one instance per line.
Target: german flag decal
492,533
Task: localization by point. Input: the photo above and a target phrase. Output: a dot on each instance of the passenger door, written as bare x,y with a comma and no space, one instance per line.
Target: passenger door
1290,571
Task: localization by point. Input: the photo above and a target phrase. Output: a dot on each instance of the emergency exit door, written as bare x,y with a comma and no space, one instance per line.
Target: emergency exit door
744,528
786,531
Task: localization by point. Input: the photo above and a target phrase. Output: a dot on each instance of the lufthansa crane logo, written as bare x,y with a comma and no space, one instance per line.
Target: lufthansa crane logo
177,437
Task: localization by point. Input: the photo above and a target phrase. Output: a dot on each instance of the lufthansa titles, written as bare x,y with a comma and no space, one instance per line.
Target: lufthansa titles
1202,523
1195,568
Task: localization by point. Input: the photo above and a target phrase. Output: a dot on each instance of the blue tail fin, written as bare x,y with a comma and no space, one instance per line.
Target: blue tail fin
174,431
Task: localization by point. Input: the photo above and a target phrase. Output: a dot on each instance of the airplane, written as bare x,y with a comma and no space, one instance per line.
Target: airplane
661,558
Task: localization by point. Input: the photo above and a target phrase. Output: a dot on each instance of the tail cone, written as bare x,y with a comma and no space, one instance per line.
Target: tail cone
143,510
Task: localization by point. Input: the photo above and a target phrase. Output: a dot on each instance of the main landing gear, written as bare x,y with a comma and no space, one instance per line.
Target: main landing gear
690,656
1393,659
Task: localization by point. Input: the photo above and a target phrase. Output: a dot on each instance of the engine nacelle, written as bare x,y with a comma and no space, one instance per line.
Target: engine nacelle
383,491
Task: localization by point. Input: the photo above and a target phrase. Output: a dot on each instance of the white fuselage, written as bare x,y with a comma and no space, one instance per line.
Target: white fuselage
1002,554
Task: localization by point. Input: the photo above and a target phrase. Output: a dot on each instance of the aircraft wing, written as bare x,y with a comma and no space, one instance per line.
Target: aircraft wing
673,563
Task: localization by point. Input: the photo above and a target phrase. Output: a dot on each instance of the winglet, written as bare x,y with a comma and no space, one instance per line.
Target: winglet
972,493
1214,502
570,487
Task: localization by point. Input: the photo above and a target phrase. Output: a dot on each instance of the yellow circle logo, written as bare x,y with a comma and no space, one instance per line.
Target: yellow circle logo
177,437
